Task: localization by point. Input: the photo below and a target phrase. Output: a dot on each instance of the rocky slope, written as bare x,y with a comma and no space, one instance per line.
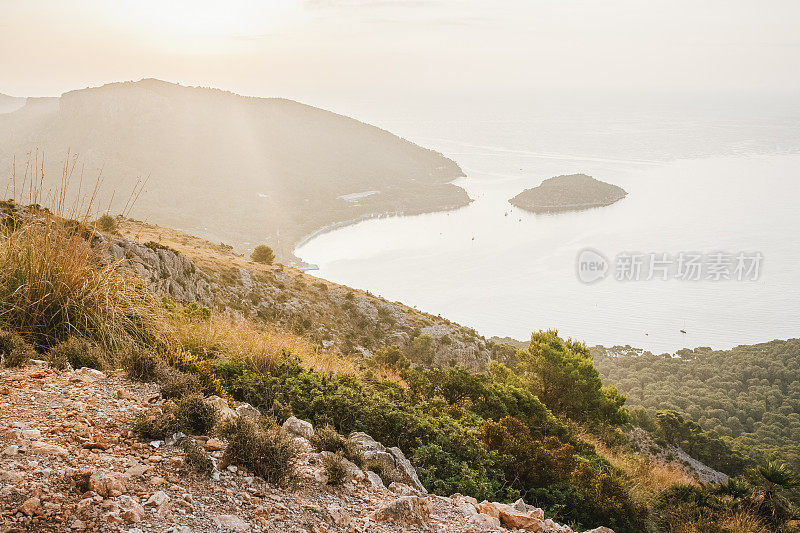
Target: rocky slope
190,269
69,462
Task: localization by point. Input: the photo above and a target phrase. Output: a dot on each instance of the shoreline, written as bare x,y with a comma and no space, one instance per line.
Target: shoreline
369,216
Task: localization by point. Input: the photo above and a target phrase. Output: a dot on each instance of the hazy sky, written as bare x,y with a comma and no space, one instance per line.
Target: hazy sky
313,49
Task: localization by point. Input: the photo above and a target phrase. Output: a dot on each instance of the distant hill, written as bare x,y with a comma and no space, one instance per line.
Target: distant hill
571,192
227,167
10,103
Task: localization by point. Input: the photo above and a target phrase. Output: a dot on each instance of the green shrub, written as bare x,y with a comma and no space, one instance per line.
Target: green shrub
195,415
327,439
177,384
107,223
141,364
195,458
21,355
78,353
155,424
263,254
335,468
14,351
263,448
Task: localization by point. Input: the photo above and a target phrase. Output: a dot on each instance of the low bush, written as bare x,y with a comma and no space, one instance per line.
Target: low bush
78,352
177,384
195,415
327,439
195,458
335,468
54,285
14,351
263,448
107,223
140,363
155,424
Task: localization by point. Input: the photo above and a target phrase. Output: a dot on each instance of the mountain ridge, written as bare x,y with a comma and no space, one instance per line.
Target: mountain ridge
240,169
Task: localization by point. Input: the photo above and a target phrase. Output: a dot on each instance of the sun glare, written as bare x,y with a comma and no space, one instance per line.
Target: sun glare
207,25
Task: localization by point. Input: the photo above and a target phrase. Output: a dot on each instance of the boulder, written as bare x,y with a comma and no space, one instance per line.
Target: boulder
248,411
43,448
391,459
481,523
107,484
298,427
407,469
130,510
465,504
229,522
600,529
405,511
226,414
158,499
513,518
375,480
31,507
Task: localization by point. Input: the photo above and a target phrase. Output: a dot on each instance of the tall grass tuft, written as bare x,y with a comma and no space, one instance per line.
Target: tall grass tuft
54,284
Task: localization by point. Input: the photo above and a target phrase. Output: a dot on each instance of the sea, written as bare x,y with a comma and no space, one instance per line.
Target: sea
704,250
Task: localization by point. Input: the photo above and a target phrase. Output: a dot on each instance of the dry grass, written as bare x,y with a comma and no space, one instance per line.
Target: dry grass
743,522
647,478
258,348
54,285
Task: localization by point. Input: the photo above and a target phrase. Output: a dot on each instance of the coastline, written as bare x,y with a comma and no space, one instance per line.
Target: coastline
302,265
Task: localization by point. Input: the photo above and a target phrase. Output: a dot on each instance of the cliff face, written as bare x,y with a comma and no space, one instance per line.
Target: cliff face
335,316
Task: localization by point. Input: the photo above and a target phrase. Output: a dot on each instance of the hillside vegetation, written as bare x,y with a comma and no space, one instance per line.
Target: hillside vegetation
232,168
542,427
750,395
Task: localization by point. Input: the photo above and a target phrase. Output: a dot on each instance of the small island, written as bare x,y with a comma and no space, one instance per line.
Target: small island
573,192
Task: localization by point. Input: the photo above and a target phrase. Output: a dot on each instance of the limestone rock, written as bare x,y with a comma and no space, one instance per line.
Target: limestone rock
512,518
43,448
248,411
406,510
229,522
388,459
158,499
298,427
481,523
87,375
214,445
226,414
130,510
107,484
375,480
31,506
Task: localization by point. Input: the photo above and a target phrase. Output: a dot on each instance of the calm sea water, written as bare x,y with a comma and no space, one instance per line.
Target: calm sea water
697,182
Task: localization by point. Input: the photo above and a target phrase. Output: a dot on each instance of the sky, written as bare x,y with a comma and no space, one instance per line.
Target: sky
320,50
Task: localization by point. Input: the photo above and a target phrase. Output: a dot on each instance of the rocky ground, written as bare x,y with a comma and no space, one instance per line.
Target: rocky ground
69,462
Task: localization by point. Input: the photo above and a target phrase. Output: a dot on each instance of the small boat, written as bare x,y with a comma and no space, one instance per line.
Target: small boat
683,331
